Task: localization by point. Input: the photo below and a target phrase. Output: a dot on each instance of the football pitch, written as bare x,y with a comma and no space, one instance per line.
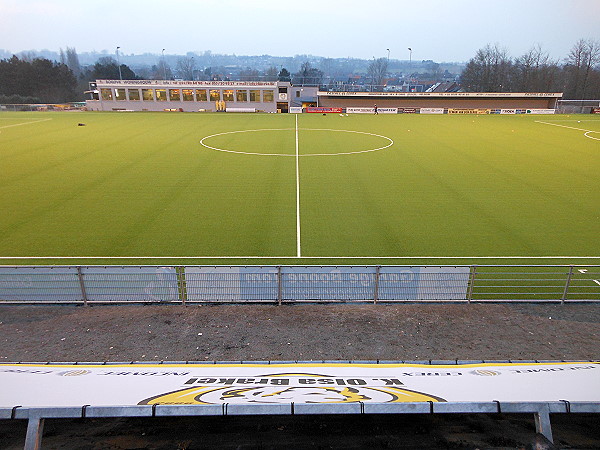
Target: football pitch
228,189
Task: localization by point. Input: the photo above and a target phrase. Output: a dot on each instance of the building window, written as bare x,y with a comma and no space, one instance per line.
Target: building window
215,95
254,95
297,93
241,96
120,94
188,95
161,95
201,95
174,95
106,93
228,95
147,95
268,95
134,94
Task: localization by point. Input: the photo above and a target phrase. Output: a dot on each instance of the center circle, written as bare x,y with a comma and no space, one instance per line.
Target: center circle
389,142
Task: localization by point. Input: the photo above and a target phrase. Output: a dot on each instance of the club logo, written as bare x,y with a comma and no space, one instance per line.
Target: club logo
288,388
485,372
74,373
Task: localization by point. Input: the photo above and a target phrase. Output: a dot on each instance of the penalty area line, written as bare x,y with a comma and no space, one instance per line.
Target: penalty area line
24,123
564,126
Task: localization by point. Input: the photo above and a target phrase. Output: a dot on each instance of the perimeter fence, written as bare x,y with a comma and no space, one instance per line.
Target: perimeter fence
294,284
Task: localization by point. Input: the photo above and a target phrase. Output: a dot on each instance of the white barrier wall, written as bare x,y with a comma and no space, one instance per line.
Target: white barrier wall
301,383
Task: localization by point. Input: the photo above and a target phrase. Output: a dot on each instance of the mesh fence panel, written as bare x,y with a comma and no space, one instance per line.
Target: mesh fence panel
118,284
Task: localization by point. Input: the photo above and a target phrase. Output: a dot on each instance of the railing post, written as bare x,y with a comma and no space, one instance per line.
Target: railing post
471,282
181,284
566,291
279,286
82,285
542,422
376,290
35,430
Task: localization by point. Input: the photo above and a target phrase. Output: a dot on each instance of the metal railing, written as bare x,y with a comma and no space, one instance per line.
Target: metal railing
289,284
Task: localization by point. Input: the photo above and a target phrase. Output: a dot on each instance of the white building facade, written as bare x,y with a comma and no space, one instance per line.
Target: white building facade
190,96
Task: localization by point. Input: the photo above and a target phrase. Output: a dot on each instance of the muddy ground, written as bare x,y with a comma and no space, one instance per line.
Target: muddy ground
302,332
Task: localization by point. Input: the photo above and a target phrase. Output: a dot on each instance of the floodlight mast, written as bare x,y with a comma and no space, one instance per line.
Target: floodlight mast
119,64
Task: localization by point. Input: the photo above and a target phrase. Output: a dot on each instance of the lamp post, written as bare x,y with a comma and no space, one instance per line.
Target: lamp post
409,65
119,64
388,50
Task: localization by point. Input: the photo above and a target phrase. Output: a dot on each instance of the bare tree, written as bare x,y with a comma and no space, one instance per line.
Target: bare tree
249,74
162,71
535,71
488,71
377,72
308,75
70,59
185,67
271,74
580,64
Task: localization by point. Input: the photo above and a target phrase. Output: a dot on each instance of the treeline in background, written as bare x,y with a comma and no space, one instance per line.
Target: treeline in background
32,79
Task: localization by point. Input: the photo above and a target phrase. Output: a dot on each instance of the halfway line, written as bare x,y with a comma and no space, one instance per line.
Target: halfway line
298,249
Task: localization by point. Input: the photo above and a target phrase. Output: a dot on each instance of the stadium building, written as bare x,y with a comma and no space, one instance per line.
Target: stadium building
283,97
167,95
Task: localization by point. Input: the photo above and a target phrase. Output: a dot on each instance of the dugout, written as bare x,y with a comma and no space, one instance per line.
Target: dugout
447,100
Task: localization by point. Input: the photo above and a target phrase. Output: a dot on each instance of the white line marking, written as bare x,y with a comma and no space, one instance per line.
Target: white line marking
390,142
594,138
562,126
243,131
298,250
597,282
24,123
573,128
298,257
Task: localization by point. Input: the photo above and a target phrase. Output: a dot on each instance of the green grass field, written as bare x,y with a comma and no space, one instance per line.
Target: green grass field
141,185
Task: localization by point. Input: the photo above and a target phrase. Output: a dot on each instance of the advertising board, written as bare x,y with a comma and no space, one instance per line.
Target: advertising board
468,111
432,111
322,109
42,385
355,110
326,283
541,111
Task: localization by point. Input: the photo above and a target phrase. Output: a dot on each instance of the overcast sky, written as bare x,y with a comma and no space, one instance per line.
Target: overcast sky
443,31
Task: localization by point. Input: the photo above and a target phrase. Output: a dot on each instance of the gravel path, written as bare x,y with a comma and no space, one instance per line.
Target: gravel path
300,332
